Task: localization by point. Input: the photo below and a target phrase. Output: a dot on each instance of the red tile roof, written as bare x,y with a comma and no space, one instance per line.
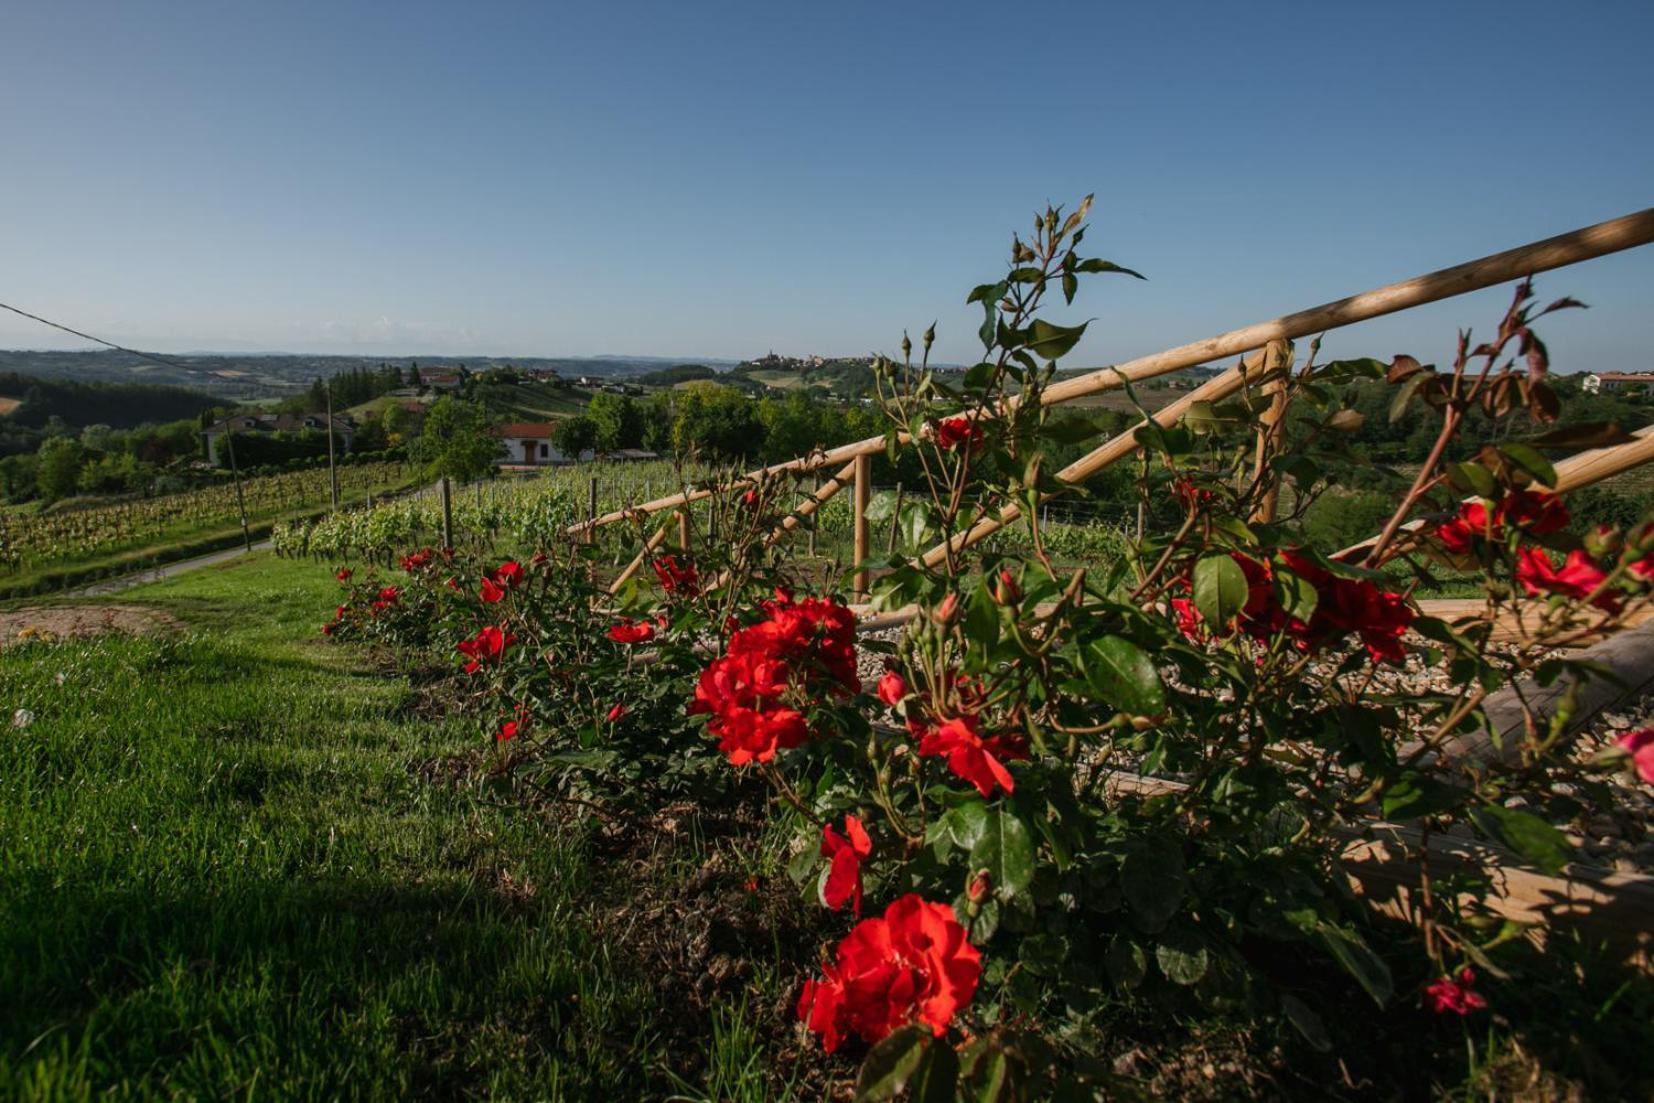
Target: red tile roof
526,429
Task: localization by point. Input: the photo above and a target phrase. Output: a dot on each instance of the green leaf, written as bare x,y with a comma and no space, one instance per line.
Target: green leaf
1006,851
1220,589
1595,434
1404,395
891,1064
881,506
982,620
1095,265
979,375
966,822
1153,882
1529,460
1297,596
1302,1016
1472,478
1126,962
1181,955
1352,952
937,1080
1124,676
1414,795
1051,342
1528,835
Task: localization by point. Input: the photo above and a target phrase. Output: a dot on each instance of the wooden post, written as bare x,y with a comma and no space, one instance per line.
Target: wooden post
895,522
591,508
864,486
1277,357
683,529
447,513
815,496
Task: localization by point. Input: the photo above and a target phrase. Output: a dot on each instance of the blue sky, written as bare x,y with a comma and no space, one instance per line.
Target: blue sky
717,180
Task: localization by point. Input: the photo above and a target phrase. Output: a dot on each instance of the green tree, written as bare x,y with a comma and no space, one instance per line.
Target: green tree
60,462
717,420
455,441
575,434
618,420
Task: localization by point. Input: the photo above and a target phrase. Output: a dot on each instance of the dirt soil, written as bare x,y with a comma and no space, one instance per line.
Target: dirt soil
49,622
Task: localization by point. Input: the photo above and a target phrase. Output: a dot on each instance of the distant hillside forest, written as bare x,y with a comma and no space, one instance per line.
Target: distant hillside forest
118,405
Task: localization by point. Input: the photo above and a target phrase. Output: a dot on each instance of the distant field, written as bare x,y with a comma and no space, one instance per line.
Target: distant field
7,405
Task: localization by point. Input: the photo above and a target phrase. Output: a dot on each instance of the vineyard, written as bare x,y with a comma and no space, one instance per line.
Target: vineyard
33,542
521,515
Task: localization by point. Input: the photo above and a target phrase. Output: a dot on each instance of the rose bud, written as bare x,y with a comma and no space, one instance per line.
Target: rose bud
1006,591
892,688
1604,542
977,890
946,611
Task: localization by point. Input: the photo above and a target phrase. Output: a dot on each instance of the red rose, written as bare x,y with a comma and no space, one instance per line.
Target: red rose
1189,620
847,853
491,592
1577,578
342,574
972,756
1186,492
1455,994
1640,746
952,432
1537,513
809,646
892,688
327,629
913,964
508,730
487,646
417,560
676,578
390,594
629,632
453,584
508,574
750,498
616,713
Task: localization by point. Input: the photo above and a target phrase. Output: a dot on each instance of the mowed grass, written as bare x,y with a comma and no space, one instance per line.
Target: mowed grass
222,877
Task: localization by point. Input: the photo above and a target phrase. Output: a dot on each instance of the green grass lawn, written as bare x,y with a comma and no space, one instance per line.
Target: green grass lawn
222,876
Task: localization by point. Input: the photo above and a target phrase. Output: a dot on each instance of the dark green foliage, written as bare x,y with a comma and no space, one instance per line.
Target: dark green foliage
122,405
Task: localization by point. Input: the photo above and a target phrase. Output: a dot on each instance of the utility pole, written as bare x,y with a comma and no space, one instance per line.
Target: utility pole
332,470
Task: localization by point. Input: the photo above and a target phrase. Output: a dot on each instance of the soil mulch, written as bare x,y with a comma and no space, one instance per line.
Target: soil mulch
44,623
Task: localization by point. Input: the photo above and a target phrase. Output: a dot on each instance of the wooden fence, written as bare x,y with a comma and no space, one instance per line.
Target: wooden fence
1258,345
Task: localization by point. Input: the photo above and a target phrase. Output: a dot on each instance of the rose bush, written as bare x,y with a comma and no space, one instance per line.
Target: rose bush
1069,786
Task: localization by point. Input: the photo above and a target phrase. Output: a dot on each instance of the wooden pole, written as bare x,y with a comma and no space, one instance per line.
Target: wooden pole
895,522
683,529
447,512
1590,242
591,508
864,487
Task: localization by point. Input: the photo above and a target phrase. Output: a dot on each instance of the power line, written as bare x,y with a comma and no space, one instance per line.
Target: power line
101,341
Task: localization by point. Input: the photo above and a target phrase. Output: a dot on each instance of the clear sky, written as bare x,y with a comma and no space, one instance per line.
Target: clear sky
716,180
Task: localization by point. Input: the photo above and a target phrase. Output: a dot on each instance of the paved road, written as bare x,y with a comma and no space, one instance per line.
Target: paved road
155,574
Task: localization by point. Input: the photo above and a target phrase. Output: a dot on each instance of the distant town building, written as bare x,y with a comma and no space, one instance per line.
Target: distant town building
440,380
344,428
1598,382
